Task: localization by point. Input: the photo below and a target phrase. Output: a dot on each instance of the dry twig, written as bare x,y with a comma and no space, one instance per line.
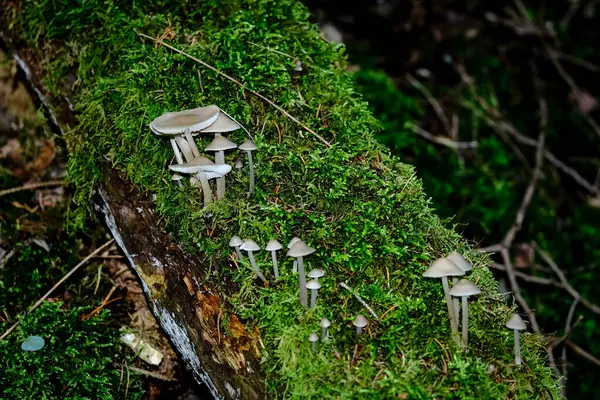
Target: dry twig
31,186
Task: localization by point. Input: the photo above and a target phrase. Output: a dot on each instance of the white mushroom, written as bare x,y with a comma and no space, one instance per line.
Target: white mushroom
517,324
464,288
273,246
316,274
463,264
204,169
250,245
298,251
248,146
360,322
223,123
236,242
325,324
314,287
313,339
219,145
289,246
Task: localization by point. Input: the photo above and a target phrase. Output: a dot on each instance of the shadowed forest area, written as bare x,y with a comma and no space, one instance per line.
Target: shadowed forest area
494,103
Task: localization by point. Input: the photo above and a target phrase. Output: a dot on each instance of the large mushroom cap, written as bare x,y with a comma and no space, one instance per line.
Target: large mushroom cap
222,124
192,167
316,273
273,245
313,338
460,261
235,241
293,242
248,145
325,323
360,321
300,249
220,143
516,322
192,120
443,267
313,284
464,287
250,245
215,170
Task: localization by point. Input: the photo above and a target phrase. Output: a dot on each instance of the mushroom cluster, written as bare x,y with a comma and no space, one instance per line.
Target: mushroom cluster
181,126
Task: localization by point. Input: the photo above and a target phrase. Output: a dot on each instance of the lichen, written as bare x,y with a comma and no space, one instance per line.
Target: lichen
363,210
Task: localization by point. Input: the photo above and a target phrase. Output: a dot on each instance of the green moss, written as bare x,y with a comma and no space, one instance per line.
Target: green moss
363,210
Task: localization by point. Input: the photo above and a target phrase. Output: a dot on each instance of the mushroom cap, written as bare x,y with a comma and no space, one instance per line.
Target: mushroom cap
176,177
300,249
313,284
516,322
273,245
460,261
235,241
222,124
464,287
313,337
178,122
215,170
220,143
316,273
248,145
250,245
191,167
239,164
360,321
442,267
292,242
325,323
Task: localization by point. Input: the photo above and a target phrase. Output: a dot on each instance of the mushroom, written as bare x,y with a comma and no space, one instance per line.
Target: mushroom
223,123
236,242
177,178
325,324
316,274
517,324
463,264
273,246
239,165
360,322
204,169
289,246
250,245
314,287
313,339
248,146
183,123
219,145
443,268
299,250
464,288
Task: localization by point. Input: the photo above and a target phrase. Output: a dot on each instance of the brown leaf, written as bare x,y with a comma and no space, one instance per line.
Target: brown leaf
236,327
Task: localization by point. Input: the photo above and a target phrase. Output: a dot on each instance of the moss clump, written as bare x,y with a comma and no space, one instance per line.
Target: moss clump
363,210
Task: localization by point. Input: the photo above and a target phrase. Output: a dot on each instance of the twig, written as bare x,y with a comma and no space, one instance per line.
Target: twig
441,140
149,373
31,186
582,352
531,278
64,278
432,101
273,50
563,378
361,301
224,75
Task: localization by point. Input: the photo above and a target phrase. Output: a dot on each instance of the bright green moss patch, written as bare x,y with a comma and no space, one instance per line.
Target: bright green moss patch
363,210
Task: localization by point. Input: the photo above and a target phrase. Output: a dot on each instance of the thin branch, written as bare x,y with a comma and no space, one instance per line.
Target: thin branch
224,75
432,101
64,278
361,301
531,278
31,186
441,140
582,352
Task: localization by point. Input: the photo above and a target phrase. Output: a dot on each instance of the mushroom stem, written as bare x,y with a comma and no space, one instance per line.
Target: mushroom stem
465,322
456,305
177,153
313,346
453,325
358,330
295,267
275,268
517,348
239,253
220,159
302,277
192,143
251,168
255,268
313,297
185,148
323,334
205,187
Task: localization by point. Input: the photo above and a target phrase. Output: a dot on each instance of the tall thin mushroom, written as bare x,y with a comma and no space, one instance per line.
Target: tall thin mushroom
464,288
273,246
443,268
289,246
236,242
219,145
517,324
300,250
466,266
250,245
314,287
325,324
248,146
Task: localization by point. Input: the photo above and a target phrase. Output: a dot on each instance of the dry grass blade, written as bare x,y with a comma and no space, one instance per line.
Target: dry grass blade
31,186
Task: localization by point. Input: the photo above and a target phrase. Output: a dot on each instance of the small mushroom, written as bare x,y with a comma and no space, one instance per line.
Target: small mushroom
289,246
250,245
298,251
325,324
236,242
314,287
273,246
313,339
443,268
517,324
316,274
360,322
463,264
239,165
219,145
248,146
177,178
464,288
204,169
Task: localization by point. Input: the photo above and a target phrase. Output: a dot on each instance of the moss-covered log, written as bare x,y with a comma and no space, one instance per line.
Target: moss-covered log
363,210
